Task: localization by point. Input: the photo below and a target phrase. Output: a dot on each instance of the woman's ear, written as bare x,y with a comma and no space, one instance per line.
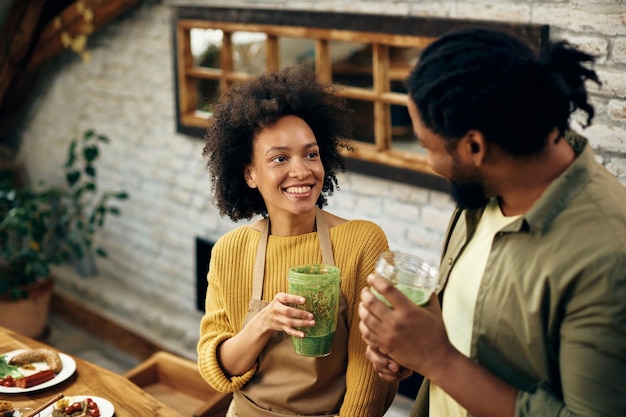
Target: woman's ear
248,175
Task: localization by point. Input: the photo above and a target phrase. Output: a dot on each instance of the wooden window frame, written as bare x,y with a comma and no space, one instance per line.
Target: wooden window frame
381,32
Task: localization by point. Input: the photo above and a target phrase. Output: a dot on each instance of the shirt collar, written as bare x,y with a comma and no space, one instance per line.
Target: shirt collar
562,190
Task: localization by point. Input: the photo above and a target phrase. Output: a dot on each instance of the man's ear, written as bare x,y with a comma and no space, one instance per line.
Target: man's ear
247,174
474,147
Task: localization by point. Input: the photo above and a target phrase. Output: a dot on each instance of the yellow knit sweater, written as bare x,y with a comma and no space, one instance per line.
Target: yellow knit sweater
356,245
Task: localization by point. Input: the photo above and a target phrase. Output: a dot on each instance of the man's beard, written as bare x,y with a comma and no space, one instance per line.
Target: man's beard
466,186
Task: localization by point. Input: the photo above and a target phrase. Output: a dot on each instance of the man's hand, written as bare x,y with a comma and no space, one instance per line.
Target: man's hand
408,335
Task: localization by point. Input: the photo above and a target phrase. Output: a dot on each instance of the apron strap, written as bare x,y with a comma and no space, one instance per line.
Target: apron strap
259,262
324,237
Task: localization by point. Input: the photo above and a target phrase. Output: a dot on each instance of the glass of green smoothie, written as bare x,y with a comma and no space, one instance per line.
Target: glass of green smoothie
319,285
410,274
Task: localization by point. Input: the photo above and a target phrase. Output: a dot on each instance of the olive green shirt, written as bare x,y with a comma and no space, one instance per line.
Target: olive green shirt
550,316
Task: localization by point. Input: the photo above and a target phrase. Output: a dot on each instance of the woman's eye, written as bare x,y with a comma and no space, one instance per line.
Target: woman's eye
312,155
279,159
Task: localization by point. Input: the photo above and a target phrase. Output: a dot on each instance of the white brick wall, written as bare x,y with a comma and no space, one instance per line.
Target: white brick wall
126,92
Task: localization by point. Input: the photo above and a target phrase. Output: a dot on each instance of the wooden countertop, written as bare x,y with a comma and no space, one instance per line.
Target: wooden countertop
128,399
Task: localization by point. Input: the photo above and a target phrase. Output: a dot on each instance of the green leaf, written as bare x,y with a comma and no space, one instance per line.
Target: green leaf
71,154
72,177
88,134
90,170
91,153
17,293
77,193
6,369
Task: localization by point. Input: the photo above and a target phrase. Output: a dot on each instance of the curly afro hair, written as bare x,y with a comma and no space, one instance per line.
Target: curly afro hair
249,107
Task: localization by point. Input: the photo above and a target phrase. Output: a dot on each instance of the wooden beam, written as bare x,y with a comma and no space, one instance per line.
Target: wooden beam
16,39
76,22
30,38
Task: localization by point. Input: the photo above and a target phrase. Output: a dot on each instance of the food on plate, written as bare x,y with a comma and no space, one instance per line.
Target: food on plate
8,370
29,356
68,407
28,380
7,381
25,369
35,379
6,408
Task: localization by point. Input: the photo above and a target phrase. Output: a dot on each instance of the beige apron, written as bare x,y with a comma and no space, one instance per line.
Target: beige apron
284,380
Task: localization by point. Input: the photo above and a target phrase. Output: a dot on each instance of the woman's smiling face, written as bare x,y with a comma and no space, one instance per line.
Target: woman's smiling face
286,167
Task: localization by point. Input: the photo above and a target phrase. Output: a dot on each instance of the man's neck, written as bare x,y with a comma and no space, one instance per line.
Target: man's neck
522,181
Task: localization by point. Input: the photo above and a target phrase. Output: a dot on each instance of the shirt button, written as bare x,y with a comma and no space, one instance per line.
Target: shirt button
449,261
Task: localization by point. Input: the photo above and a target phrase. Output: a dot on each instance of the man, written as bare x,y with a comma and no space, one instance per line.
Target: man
531,319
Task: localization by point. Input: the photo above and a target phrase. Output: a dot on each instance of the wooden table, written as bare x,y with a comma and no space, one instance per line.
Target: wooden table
89,379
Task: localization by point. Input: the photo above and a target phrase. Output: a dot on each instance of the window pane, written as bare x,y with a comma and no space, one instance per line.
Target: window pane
407,143
296,51
363,120
401,61
402,136
351,64
207,94
249,52
401,128
205,47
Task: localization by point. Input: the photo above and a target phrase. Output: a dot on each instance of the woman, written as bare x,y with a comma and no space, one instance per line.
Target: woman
273,150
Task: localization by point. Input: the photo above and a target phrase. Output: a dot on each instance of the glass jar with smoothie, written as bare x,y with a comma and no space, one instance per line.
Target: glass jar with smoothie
319,284
410,274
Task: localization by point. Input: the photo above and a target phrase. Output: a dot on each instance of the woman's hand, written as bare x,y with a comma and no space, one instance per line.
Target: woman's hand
280,316
388,369
238,354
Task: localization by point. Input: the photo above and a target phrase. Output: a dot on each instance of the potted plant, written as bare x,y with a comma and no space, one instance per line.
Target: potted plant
27,250
42,226
87,206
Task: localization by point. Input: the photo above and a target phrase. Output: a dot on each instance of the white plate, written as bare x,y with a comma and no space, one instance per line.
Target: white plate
69,367
105,406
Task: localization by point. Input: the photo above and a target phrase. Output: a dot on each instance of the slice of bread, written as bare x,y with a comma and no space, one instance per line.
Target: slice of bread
5,407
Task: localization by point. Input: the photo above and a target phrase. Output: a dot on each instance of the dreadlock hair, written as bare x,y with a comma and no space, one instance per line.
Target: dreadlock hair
492,82
257,103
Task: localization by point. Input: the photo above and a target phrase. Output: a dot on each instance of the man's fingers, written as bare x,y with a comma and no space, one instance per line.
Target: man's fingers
387,290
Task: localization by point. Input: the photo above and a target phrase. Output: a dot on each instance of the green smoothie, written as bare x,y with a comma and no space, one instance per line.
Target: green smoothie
419,296
411,275
319,285
313,345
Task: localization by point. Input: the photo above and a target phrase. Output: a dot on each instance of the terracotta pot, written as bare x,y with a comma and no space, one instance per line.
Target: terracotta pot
28,316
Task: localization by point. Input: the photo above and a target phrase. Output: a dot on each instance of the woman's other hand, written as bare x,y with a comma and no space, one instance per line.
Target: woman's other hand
388,369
